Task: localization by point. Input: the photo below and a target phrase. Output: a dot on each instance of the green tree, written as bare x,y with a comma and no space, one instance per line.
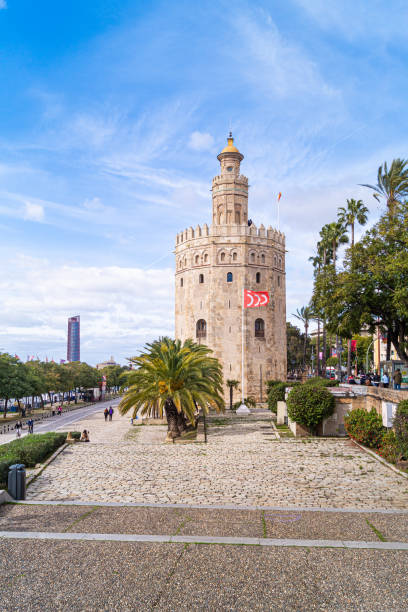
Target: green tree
52,378
36,380
392,184
356,212
13,383
305,315
294,347
372,290
114,375
232,384
179,378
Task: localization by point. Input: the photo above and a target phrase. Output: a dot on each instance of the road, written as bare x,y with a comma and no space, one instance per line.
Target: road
65,420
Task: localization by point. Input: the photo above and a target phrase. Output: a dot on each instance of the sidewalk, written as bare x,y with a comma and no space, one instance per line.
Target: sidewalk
51,563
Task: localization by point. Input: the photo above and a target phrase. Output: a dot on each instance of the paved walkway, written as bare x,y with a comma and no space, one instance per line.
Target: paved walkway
242,464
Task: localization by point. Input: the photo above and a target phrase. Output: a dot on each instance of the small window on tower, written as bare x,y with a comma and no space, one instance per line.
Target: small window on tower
201,278
258,277
229,277
181,282
230,169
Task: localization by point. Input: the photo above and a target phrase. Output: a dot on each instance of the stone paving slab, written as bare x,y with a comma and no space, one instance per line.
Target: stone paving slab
66,576
200,522
111,576
248,578
14,517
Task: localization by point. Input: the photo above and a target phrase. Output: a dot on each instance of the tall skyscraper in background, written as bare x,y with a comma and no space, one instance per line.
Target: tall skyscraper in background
73,344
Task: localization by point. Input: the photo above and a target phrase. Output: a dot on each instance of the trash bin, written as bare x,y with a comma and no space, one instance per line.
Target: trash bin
17,481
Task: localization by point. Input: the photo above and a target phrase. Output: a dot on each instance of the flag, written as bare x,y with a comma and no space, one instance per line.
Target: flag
353,346
252,299
279,196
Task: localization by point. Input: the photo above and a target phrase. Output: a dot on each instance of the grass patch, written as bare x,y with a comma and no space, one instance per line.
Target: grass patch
264,524
218,422
377,533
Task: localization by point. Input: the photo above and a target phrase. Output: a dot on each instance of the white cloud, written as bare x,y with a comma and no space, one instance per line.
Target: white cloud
201,141
93,204
3,4
121,308
33,212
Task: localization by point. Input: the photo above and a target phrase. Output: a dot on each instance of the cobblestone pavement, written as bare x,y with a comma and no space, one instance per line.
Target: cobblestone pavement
242,464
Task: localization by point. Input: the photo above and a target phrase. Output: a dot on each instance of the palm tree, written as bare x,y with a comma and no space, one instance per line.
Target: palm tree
232,384
317,263
356,211
304,314
177,377
392,184
336,234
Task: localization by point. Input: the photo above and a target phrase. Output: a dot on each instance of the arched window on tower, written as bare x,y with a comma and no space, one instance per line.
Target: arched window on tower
201,329
258,277
197,260
201,279
181,282
259,328
206,258
252,257
229,277
237,217
234,256
222,257
262,258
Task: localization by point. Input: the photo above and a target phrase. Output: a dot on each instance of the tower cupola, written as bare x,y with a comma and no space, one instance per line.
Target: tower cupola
230,188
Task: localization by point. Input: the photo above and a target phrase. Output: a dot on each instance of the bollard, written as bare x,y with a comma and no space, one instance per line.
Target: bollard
17,481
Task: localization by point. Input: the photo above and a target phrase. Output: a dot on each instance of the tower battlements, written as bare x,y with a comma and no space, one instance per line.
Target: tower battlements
230,230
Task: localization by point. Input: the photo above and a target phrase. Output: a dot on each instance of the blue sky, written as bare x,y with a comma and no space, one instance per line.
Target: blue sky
111,117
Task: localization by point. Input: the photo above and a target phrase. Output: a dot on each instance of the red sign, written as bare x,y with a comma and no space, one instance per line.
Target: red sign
353,346
252,299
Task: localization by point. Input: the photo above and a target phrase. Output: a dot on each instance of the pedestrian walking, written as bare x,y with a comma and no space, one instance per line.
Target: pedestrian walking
59,410
385,380
18,427
30,424
110,412
397,379
106,413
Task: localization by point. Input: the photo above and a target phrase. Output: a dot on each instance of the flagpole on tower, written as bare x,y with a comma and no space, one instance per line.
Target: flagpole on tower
278,201
243,409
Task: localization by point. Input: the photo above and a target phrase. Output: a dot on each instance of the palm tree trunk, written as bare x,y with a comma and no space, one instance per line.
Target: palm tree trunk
318,347
348,358
304,348
172,420
231,396
324,349
181,422
352,235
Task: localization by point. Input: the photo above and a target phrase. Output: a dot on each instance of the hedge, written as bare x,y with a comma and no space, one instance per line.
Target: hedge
323,382
309,404
29,450
365,427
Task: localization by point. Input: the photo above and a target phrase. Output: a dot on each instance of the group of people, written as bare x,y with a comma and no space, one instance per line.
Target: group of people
108,413
379,381
19,427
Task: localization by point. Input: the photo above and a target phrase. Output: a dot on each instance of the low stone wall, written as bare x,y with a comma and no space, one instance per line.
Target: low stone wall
347,398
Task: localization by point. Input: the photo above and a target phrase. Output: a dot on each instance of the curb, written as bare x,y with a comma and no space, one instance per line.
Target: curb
275,429
46,464
380,459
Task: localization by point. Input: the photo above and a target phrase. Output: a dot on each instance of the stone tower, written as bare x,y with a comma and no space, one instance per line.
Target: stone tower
213,266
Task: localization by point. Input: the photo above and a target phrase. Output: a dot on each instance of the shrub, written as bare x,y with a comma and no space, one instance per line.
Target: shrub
400,426
388,448
272,383
29,450
365,427
275,395
308,405
323,382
